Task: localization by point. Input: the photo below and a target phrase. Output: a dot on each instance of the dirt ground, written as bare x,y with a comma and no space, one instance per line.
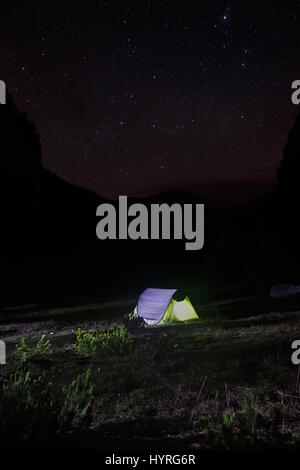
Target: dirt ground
226,381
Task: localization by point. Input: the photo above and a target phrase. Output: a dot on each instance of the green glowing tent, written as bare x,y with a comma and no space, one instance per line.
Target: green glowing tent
158,307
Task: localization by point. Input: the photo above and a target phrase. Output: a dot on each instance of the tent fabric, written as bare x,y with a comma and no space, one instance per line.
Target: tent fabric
157,307
284,290
180,312
153,303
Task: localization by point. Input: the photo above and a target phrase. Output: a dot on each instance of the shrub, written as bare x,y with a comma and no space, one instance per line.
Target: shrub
133,321
24,352
78,401
28,409
25,404
249,415
117,340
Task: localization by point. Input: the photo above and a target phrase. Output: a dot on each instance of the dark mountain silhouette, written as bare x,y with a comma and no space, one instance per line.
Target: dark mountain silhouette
51,253
38,207
49,228
288,174
288,200
20,167
46,222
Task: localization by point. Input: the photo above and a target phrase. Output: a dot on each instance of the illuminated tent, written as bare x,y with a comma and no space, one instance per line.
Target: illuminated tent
157,307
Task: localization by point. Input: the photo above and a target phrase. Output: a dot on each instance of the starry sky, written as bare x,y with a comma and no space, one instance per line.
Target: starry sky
138,97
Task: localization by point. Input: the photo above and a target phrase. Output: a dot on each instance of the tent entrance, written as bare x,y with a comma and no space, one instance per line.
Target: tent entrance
179,312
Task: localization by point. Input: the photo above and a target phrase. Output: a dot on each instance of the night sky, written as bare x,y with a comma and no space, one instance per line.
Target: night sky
135,97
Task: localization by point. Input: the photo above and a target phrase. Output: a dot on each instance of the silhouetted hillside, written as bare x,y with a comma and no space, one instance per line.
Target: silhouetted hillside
51,250
288,200
68,212
38,207
288,174
50,246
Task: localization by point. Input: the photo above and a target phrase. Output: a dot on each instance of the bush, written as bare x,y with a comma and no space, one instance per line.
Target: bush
78,401
28,408
117,340
23,352
25,404
133,321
